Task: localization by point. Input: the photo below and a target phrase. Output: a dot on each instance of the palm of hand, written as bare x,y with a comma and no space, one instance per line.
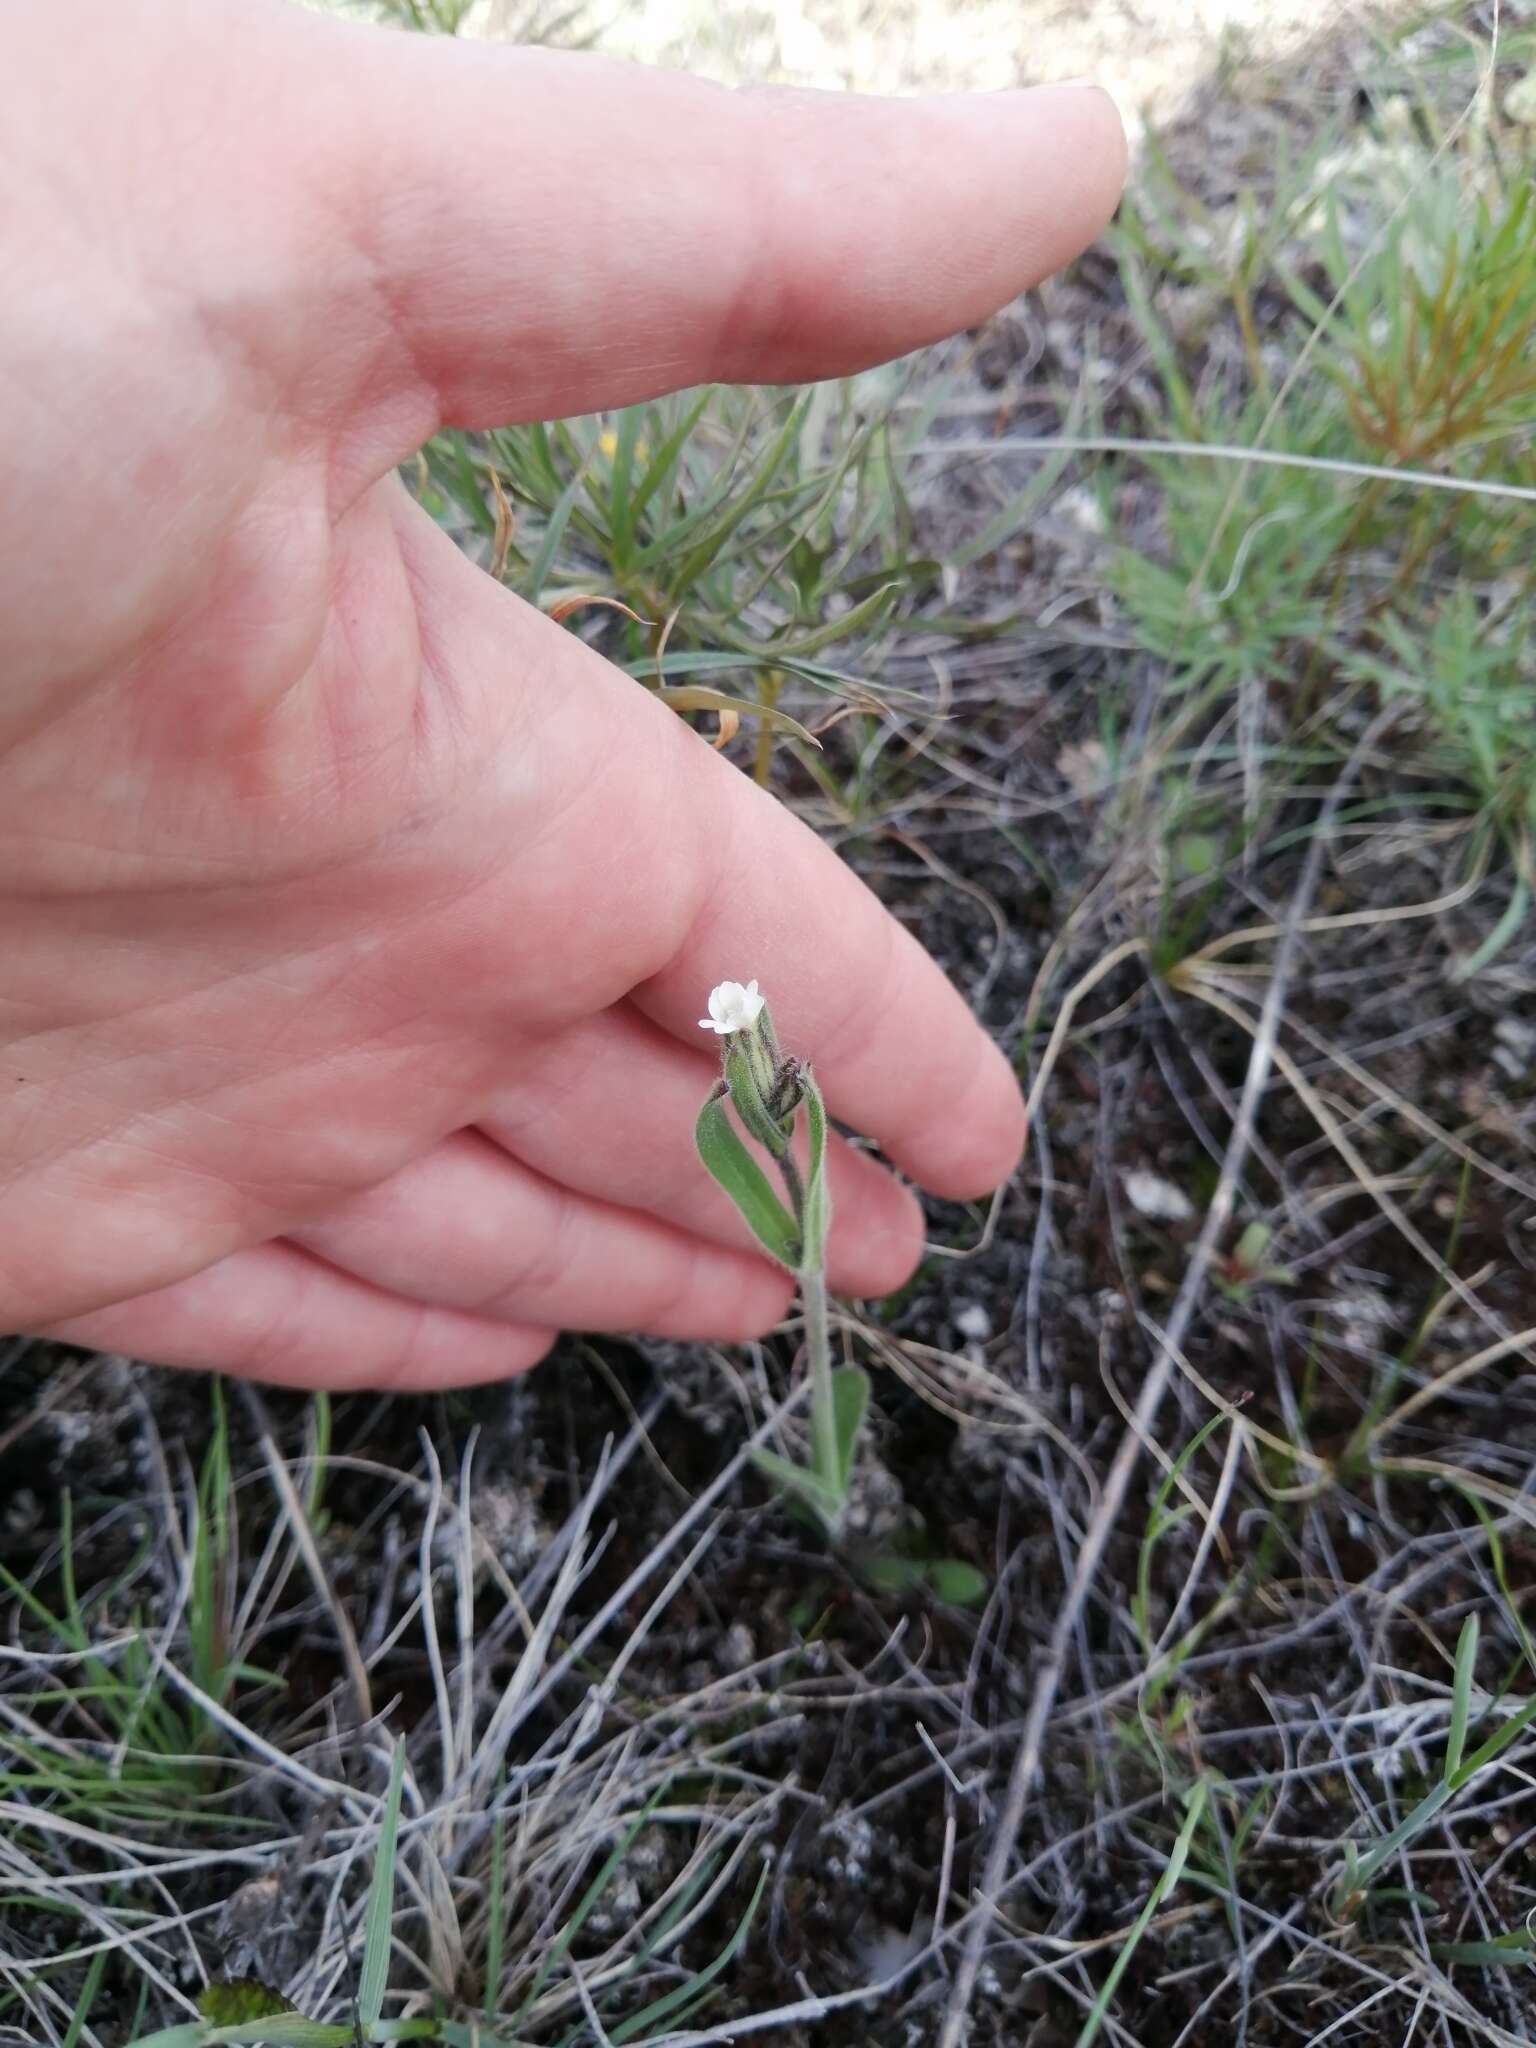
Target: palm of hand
357,919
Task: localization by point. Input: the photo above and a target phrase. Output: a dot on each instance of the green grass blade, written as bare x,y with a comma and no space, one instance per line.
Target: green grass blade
86,2000
1172,1871
1461,1696
283,2030
704,551
621,519
665,457
374,1975
588,1900
1496,1744
319,1453
1497,1954
554,534
1382,1852
451,464
835,681
685,1994
495,1907
1160,1521
1512,921
862,617
1501,1577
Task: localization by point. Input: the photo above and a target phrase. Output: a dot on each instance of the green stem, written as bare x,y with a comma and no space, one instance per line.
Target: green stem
762,757
825,1460
818,1340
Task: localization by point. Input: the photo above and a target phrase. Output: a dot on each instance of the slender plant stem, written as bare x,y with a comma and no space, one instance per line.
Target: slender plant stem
826,1461
824,1451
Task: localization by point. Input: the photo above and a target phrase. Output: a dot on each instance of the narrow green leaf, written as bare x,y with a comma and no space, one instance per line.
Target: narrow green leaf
1508,925
850,1403
554,533
905,575
319,1457
450,463
1461,1696
836,682
190,2035
1501,1577
621,495
1497,1954
1159,1522
374,1975
670,2002
1497,1743
709,545
496,1915
285,2030
585,1905
1172,1870
857,619
949,1579
656,559
1359,1870
802,1486
87,1998
957,1583
231,2004
818,1202
665,456
735,1170
894,1574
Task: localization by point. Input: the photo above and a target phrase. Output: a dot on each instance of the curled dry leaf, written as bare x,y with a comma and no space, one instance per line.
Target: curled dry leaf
695,697
501,542
563,607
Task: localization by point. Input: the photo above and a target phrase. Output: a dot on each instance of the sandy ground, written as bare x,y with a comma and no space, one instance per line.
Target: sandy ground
1152,55
1148,53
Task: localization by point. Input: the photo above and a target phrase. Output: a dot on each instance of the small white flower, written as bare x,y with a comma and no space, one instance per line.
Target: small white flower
732,1008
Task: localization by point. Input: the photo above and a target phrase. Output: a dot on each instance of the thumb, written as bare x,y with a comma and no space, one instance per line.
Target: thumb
552,233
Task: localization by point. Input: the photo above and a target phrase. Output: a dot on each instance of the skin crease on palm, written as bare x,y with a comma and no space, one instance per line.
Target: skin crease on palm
355,920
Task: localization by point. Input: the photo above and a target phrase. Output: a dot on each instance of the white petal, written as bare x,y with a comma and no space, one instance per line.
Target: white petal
732,1007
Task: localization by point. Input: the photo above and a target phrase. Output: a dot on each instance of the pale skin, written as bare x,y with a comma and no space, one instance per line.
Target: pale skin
355,921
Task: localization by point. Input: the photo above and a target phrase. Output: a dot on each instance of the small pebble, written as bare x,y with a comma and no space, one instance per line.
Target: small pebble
1157,1199
972,1322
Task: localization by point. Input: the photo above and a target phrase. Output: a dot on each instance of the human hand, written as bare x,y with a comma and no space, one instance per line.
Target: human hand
354,919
